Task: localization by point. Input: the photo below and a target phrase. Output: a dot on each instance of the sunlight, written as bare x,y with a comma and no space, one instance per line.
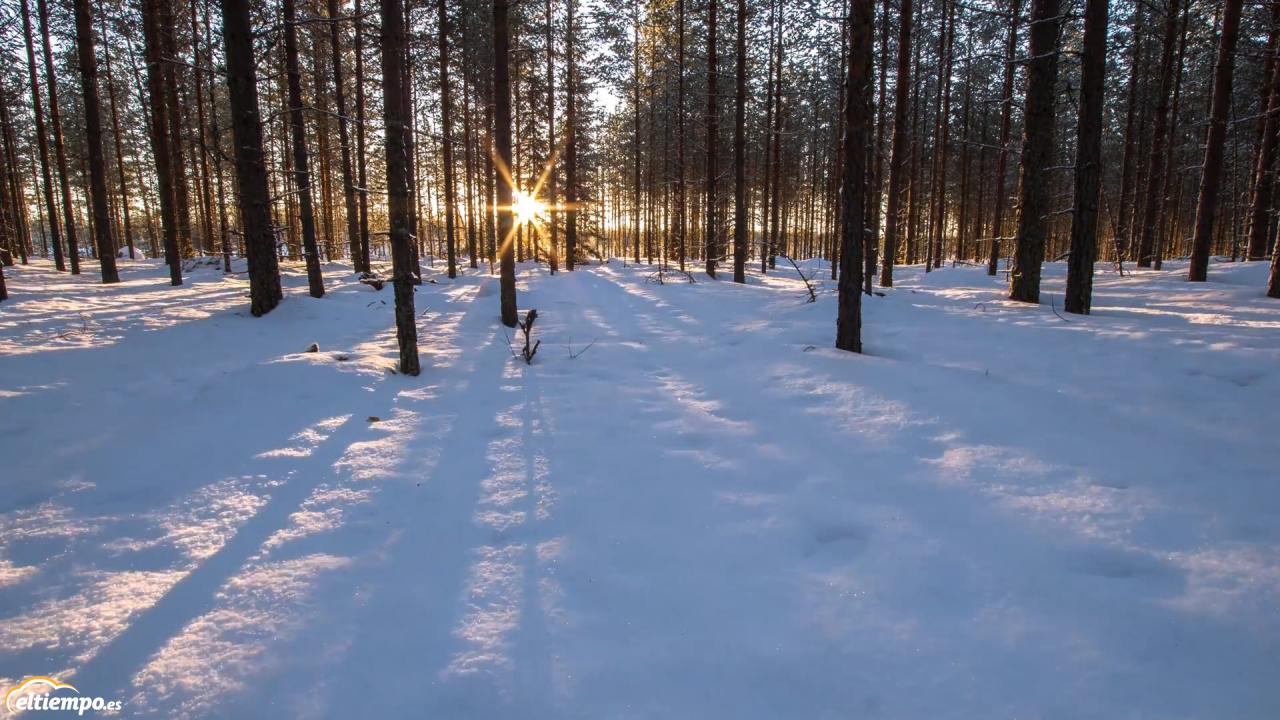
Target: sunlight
527,208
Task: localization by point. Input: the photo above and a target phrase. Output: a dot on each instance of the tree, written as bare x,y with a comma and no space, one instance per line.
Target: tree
42,139
93,137
1037,151
502,143
571,144
446,139
1211,170
740,153
899,150
59,147
1006,123
160,134
301,168
855,195
344,139
712,252
398,160
251,170
1159,136
1084,221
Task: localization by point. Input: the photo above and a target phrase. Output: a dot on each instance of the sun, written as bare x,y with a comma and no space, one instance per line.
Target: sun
527,208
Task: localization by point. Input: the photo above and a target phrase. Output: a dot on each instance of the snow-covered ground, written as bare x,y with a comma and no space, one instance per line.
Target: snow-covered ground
689,506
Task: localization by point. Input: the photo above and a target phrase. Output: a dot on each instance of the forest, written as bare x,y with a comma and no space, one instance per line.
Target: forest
487,345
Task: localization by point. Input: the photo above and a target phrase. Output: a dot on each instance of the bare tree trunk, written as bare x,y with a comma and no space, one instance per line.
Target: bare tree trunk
93,138
740,154
446,140
681,201
160,138
552,150
898,154
1159,135
1084,221
1037,152
854,190
1211,170
571,143
712,143
1006,122
42,138
398,159
502,141
59,147
301,167
344,138
251,169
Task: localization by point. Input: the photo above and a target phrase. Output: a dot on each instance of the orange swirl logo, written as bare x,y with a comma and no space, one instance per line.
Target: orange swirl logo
37,693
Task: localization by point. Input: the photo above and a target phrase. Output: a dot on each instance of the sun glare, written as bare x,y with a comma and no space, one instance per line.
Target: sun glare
527,208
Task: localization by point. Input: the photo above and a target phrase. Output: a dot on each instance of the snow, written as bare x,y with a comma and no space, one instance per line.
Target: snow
997,511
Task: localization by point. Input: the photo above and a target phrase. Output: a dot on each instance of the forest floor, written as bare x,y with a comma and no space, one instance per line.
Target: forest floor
689,506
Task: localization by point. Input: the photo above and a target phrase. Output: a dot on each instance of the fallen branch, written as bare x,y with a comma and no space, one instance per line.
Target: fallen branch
813,297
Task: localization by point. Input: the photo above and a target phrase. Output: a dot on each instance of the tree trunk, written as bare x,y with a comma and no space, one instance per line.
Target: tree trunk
446,141
740,154
1037,152
571,142
93,138
42,138
160,137
1211,170
1084,221
854,190
712,143
552,150
301,167
398,159
59,147
502,142
898,152
1006,124
251,169
1159,135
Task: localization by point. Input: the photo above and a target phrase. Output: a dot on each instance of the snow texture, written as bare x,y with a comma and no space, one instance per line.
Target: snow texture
689,506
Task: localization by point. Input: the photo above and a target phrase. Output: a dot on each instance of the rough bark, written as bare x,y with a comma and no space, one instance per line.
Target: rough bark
1211,170
1006,125
1159,136
1084,221
93,139
398,201
42,140
160,135
446,140
855,194
899,150
251,170
1037,152
502,143
740,153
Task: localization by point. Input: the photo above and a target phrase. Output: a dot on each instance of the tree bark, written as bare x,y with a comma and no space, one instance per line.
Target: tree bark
446,140
898,152
1211,170
571,141
1159,135
740,153
93,138
854,191
398,201
59,147
1006,124
1037,152
251,170
42,139
502,142
1084,221
711,250
301,166
160,137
